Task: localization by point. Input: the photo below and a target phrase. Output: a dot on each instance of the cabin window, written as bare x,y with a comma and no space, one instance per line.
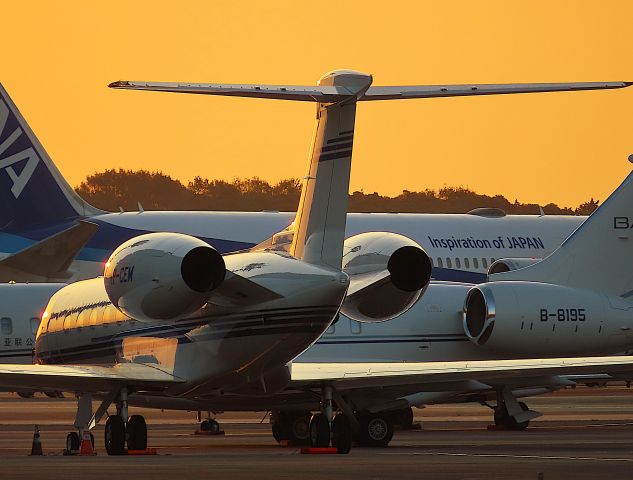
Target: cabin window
70,322
83,320
6,326
439,262
475,263
449,263
458,263
355,327
431,261
484,263
466,263
35,325
492,260
109,315
331,329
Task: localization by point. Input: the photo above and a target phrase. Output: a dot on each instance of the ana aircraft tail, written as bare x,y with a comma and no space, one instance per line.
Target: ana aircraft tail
597,256
32,191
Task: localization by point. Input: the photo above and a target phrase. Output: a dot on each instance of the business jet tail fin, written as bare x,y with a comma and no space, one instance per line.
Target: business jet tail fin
597,255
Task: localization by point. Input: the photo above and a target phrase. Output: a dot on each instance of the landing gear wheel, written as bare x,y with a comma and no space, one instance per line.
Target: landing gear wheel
279,427
403,418
319,431
502,418
210,425
115,435
342,433
136,433
72,442
291,427
375,431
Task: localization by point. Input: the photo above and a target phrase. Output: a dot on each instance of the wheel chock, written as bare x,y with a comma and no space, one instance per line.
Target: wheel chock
496,427
86,448
36,447
147,451
208,432
319,450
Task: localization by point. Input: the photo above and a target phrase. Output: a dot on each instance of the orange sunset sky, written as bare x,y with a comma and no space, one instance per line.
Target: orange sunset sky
58,57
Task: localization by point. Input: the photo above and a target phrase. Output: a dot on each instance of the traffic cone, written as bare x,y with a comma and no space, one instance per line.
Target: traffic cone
36,447
86,447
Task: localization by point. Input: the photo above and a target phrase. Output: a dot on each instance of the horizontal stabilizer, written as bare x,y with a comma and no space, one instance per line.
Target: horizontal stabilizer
332,94
49,258
321,94
431,91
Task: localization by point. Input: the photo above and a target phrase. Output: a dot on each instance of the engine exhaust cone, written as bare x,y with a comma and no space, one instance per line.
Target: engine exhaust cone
410,268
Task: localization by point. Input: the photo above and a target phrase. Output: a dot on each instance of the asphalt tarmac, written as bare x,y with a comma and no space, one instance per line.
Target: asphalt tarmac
584,434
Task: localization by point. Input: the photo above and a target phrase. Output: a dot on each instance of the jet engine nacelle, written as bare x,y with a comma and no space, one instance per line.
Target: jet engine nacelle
540,319
509,264
162,276
388,273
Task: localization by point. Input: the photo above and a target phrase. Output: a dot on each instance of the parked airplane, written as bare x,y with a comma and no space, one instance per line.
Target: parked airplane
48,233
172,315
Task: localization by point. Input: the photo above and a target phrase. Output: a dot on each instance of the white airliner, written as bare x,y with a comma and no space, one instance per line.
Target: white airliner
137,320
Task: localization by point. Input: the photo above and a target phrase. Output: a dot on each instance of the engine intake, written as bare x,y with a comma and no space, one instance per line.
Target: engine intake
510,264
162,276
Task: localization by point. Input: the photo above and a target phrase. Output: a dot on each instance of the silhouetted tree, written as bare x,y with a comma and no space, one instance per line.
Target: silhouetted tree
112,189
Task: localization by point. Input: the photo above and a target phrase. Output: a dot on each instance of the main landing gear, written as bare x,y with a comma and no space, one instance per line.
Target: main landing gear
121,430
510,413
209,426
327,429
366,429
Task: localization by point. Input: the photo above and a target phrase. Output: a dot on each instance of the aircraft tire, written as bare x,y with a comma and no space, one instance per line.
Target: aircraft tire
72,442
375,431
136,433
502,418
210,425
279,426
319,431
342,433
403,418
115,435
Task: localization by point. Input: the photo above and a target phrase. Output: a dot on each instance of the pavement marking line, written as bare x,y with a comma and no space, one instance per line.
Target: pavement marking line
501,455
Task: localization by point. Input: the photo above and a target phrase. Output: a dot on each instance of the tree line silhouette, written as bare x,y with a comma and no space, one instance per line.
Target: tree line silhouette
114,189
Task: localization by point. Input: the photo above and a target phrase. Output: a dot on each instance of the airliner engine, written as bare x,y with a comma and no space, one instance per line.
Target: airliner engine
516,318
388,273
509,264
161,276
